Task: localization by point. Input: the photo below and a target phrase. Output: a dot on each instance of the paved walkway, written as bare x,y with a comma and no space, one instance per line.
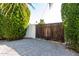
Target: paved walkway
33,47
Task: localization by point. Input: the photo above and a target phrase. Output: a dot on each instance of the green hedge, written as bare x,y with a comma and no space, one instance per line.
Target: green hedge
70,16
14,19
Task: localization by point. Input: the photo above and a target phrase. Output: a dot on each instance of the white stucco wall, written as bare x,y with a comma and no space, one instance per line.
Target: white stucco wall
31,31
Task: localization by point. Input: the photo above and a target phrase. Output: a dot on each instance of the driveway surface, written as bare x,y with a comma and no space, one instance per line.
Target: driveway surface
34,47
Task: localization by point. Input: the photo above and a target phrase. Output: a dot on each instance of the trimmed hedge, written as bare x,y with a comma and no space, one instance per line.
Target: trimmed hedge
14,19
70,16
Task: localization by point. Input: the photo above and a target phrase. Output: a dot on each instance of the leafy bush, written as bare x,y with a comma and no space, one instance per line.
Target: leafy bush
70,16
14,19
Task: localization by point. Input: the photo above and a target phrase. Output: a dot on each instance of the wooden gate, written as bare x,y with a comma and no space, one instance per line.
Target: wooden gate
53,31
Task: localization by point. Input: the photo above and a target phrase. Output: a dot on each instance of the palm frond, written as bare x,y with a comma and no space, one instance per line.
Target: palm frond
31,5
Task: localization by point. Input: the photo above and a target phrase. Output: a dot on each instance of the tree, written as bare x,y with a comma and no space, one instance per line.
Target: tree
14,19
42,21
70,16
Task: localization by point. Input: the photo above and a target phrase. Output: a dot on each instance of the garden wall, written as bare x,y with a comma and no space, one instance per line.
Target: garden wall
30,33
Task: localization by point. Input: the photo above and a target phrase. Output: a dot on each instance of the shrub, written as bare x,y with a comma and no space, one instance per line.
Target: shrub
70,16
14,19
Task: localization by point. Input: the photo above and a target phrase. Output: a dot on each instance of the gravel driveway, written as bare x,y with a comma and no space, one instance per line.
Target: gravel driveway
34,47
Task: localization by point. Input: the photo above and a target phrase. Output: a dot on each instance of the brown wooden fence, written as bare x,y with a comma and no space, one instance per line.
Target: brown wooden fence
53,31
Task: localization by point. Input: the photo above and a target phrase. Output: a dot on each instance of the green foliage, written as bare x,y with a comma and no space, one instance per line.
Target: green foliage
70,16
14,19
42,21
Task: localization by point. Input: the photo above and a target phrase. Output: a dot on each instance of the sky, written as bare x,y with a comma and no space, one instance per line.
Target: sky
42,11
55,13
